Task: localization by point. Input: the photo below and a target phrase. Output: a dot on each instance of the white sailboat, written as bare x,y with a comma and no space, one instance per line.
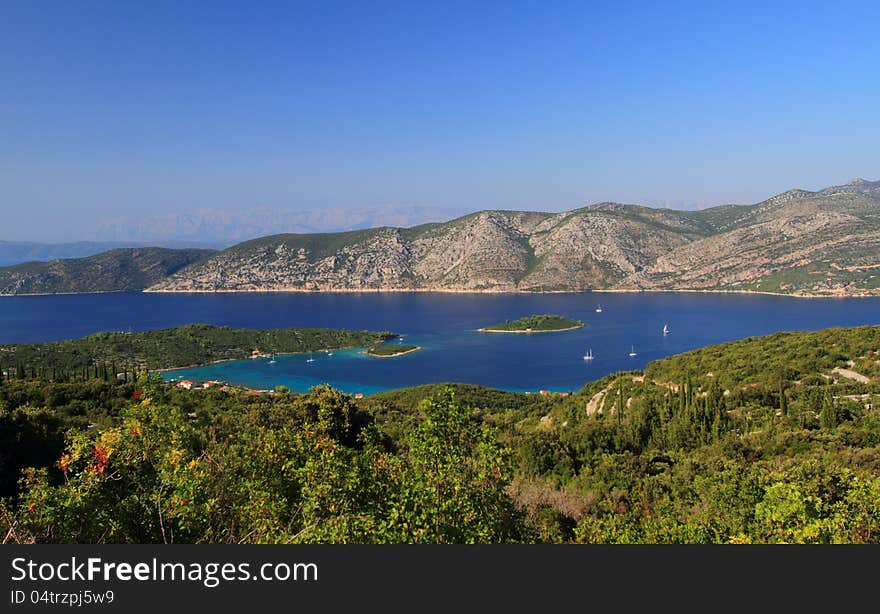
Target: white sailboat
632,350
272,360
599,309
589,355
665,329
310,360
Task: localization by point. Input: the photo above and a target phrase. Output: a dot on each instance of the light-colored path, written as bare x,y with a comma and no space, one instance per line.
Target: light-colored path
852,375
597,402
593,405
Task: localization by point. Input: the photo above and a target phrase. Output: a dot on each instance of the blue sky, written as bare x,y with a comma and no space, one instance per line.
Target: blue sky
124,108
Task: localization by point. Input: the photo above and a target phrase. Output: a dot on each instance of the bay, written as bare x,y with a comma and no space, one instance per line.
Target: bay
444,324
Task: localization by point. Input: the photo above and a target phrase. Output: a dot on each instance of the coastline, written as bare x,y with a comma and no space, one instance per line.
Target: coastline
415,349
4,294
195,366
497,291
215,362
454,291
760,292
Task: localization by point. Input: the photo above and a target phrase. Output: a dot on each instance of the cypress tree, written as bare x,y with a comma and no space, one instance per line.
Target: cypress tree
783,401
664,408
692,392
682,400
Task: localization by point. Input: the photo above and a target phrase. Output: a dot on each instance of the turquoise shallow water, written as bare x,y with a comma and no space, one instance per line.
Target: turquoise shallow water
444,324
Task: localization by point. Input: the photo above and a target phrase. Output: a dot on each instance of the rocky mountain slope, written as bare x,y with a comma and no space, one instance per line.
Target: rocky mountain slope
823,242
111,271
595,247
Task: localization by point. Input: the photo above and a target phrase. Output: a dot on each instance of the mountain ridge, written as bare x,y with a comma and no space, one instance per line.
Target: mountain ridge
797,242
800,242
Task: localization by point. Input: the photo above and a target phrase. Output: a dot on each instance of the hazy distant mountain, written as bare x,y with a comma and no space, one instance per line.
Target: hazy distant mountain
825,242
213,225
112,271
16,252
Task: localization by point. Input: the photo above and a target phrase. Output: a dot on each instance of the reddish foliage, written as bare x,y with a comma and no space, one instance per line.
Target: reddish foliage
64,463
101,459
136,395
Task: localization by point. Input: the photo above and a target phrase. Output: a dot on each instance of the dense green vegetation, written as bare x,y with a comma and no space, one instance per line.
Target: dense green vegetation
286,468
169,348
385,351
774,446
35,415
765,360
115,270
537,324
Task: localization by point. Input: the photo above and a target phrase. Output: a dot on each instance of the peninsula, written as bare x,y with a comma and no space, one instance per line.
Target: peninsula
535,324
172,348
116,270
390,351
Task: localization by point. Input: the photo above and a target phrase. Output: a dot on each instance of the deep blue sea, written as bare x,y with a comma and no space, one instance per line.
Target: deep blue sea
444,325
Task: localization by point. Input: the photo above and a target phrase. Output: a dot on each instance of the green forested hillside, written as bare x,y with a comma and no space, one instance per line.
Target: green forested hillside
791,356
672,455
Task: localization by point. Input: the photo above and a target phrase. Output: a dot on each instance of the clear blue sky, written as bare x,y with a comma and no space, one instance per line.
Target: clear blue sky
111,108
